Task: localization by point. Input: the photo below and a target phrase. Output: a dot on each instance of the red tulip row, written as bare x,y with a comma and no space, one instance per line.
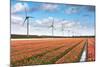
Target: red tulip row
73,55
39,51
91,50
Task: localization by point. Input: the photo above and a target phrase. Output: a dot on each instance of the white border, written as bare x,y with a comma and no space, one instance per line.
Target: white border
4,33
84,2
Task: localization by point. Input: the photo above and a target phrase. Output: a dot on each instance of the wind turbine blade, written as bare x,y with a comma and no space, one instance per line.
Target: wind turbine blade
25,12
24,21
31,17
50,26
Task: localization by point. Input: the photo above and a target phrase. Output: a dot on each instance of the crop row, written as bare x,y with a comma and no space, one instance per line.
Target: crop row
91,50
45,55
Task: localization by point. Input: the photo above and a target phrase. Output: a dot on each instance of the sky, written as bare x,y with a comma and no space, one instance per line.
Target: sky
75,20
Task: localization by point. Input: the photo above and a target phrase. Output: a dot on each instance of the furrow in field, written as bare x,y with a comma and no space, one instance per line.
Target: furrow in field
35,51
38,47
91,50
73,55
34,47
19,43
49,57
24,46
22,58
53,56
31,44
31,53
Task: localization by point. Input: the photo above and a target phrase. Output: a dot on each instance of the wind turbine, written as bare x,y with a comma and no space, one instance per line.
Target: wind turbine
68,31
62,27
27,21
52,26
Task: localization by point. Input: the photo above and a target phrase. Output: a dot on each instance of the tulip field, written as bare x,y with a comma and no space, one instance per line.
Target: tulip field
38,51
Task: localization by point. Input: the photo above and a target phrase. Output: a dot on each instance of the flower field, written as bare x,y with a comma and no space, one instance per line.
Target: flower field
50,51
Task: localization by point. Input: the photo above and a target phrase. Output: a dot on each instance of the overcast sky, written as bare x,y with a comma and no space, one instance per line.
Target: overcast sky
76,19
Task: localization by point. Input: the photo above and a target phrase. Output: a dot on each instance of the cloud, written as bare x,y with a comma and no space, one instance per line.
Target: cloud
47,22
19,7
49,7
16,19
74,27
33,9
44,22
16,24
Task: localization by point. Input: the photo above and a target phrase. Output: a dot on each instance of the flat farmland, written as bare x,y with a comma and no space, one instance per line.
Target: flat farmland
50,50
91,49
